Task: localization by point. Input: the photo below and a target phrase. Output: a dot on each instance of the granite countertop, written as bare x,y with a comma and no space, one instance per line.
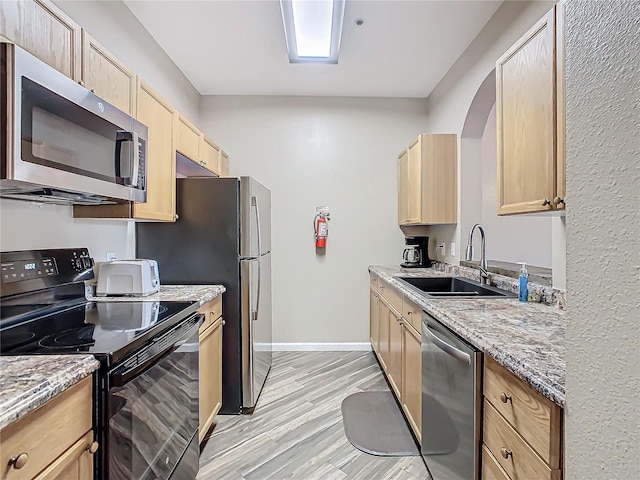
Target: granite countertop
27,382
528,339
184,293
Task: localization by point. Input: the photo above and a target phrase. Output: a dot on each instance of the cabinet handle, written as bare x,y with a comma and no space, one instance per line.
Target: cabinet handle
504,398
92,447
506,453
81,83
546,202
558,200
409,312
93,90
223,322
376,295
175,217
18,461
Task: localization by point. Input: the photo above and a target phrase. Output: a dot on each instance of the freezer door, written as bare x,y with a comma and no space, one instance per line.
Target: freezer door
255,277
255,227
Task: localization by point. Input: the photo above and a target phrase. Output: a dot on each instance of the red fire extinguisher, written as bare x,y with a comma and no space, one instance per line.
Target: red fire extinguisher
320,229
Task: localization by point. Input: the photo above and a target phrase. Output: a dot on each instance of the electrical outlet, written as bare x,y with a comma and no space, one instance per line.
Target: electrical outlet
452,250
111,256
443,248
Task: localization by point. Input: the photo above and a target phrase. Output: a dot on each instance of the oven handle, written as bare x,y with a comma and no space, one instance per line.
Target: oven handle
120,379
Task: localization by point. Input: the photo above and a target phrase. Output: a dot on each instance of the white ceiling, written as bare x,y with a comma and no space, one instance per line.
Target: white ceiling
237,47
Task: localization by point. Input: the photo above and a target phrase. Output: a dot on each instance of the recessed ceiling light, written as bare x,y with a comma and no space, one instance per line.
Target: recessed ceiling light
313,29
359,22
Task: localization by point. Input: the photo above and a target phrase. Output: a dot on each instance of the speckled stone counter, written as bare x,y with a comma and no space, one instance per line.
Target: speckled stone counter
183,293
526,338
27,382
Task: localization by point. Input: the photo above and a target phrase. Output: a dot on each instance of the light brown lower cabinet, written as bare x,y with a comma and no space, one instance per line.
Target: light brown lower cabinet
374,320
210,358
394,368
412,377
55,441
398,347
521,429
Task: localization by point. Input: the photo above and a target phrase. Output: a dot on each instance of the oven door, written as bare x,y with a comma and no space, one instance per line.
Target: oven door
152,404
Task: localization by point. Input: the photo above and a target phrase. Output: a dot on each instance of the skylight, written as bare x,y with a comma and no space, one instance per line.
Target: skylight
313,29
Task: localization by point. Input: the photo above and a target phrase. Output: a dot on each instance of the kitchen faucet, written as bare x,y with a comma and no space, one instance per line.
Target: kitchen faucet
484,274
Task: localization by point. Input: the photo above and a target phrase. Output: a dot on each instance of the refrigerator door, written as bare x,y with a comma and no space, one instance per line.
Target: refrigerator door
255,223
255,285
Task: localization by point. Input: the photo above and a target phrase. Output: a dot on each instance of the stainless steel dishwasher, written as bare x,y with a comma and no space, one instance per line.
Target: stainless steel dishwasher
451,403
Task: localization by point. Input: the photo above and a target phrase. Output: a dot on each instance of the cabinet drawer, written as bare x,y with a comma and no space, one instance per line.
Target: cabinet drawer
65,419
212,310
391,295
412,313
537,419
522,462
491,469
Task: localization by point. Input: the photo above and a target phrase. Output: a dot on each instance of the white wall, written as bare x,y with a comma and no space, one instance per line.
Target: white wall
449,104
25,225
340,152
603,240
511,238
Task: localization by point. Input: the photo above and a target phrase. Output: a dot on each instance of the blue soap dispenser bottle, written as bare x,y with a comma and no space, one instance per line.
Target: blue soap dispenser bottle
523,283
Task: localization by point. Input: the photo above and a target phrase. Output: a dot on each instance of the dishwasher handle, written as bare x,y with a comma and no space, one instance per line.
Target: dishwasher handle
444,346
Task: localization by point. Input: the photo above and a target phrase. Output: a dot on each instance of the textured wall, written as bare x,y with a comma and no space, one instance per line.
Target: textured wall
603,232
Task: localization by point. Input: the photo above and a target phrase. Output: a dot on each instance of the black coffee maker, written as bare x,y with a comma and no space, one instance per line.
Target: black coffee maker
416,253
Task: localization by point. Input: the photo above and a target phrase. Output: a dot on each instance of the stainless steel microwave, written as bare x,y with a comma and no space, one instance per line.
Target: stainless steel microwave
60,142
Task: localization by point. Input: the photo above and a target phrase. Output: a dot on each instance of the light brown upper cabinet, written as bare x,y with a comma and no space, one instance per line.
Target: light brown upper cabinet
530,150
224,164
427,181
158,116
210,155
187,138
106,76
40,28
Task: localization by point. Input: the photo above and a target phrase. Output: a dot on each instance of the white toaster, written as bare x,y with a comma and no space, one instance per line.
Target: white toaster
128,277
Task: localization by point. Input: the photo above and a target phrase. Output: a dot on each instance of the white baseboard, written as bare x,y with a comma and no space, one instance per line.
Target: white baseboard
322,347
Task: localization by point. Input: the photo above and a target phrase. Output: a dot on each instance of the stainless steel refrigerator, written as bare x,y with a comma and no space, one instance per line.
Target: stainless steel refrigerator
223,236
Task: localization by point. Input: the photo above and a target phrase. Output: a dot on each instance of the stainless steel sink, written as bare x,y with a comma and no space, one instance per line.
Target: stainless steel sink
453,287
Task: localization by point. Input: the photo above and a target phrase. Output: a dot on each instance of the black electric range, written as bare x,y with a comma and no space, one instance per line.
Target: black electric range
146,389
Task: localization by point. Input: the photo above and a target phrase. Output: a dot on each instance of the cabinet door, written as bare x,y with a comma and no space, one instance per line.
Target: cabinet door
210,376
187,138
210,156
560,107
40,28
526,129
74,464
412,377
157,115
403,187
395,353
106,76
384,314
374,321
414,187
224,164
439,188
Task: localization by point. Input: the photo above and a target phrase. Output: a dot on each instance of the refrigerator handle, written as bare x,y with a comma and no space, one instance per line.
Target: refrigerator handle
254,203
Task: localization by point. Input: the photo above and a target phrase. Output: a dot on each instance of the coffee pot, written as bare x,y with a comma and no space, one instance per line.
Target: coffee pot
416,253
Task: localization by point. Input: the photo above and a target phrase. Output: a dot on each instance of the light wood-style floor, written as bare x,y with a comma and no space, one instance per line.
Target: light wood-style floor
296,430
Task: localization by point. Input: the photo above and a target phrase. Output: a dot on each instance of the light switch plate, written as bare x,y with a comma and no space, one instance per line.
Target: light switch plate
452,250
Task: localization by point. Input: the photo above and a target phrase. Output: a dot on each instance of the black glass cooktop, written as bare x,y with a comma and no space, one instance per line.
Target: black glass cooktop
109,330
